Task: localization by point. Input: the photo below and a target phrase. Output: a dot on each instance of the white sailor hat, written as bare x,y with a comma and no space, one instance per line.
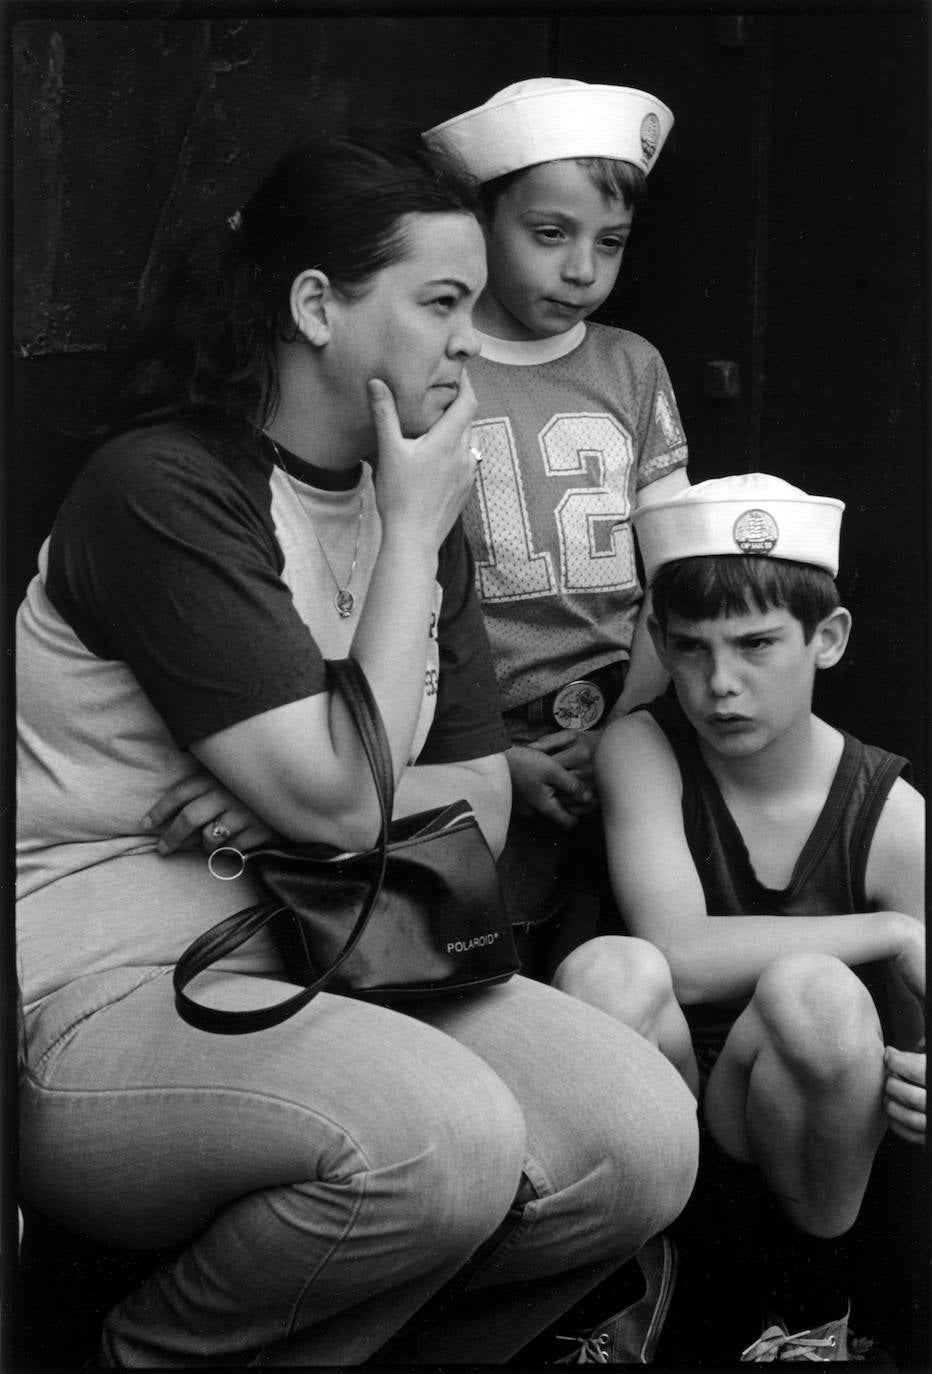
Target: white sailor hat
751,513
547,118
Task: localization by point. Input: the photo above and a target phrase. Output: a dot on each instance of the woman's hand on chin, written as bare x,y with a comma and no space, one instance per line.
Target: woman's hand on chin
423,483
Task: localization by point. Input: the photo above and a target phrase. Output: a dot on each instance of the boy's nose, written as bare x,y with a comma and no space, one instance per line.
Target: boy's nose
579,265
722,678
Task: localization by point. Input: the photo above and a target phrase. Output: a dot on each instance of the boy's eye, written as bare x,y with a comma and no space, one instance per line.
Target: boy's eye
549,233
759,642
444,304
613,245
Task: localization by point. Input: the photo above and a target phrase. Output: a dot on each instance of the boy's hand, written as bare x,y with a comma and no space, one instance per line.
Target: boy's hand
573,750
904,1093
543,786
192,808
910,962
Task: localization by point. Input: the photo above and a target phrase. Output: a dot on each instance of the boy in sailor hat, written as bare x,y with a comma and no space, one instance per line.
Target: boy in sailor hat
778,865
578,427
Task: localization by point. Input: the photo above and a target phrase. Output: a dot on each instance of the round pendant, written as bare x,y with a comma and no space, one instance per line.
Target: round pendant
344,602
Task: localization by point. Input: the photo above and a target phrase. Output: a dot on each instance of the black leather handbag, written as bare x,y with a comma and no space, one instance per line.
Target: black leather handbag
420,915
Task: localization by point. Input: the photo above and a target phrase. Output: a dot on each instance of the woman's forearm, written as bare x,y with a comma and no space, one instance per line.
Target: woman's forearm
484,783
390,643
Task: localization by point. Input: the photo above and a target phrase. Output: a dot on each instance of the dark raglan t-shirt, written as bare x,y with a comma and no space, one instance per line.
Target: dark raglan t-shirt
184,589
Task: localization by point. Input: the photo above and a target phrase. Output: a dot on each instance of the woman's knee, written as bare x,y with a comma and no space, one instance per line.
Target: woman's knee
669,1157
651,1141
818,1015
461,1186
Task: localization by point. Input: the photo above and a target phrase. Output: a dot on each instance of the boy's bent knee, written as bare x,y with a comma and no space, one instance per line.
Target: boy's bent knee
622,975
818,1014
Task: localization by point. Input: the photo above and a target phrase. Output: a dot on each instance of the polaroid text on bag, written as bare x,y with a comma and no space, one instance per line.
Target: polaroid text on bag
461,946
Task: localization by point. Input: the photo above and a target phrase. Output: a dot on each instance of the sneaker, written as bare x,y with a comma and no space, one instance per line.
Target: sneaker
630,1335
819,1345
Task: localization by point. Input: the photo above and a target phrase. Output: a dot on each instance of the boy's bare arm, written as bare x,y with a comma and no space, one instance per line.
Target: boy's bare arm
895,876
895,879
647,678
660,896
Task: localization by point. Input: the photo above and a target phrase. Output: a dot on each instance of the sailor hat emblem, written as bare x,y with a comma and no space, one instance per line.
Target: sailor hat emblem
756,531
650,134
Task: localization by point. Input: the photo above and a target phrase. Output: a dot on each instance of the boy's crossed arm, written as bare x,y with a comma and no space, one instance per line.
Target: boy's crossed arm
715,958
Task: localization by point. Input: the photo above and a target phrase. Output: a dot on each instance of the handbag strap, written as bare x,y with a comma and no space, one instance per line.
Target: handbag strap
227,935
367,718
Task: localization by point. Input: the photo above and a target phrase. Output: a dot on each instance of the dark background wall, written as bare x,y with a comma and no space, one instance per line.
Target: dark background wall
784,233
784,236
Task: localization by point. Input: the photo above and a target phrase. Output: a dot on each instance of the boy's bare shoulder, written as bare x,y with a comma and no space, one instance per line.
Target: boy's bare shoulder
637,729
902,820
634,750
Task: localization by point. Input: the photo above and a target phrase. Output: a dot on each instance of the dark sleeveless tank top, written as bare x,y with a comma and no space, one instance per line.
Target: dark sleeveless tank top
829,875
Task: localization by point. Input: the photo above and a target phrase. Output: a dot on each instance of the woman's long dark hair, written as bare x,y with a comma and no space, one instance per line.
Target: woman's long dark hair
204,350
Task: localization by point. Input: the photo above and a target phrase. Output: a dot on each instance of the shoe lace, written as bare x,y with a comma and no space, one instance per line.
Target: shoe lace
777,1344
589,1350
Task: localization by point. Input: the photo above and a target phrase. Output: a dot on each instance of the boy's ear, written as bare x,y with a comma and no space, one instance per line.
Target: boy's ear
310,300
659,639
831,637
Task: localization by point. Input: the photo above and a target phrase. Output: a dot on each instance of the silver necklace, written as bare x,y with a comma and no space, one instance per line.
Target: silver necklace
343,598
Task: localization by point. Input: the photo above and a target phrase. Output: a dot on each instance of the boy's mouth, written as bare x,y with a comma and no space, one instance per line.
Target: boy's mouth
571,307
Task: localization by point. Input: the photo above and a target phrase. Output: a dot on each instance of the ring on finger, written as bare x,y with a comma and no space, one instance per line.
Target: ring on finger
219,831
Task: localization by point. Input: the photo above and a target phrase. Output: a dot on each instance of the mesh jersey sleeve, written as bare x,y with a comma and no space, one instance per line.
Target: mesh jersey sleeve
164,557
662,447
468,722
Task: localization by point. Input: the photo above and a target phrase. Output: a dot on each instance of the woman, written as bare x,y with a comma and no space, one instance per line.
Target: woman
320,1181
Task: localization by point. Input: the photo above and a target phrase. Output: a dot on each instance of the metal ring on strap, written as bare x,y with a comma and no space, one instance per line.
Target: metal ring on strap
227,877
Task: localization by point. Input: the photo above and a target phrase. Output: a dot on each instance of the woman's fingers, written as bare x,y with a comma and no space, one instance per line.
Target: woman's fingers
240,830
424,481
213,820
384,413
187,825
456,419
181,794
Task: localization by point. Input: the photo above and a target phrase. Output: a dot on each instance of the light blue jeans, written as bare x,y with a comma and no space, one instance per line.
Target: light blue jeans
323,1180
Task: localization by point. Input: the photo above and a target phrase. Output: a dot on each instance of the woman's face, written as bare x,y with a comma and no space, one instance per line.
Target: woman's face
413,326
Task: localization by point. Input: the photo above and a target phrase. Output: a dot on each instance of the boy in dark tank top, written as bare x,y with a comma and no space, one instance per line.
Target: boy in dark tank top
778,865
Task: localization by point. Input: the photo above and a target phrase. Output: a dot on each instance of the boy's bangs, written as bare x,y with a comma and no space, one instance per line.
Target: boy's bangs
710,587
707,588
617,180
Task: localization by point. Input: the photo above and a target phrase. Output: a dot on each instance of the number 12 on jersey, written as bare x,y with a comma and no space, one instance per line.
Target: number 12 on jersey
561,528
